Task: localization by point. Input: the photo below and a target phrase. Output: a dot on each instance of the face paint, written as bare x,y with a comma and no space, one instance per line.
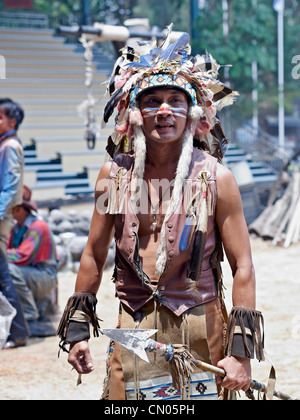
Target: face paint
165,108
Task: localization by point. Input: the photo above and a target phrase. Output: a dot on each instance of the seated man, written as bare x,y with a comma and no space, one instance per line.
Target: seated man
32,263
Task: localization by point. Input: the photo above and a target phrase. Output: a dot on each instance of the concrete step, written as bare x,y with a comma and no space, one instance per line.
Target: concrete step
59,64
61,176
26,46
43,55
93,172
79,190
47,77
42,84
49,147
7,36
262,171
64,74
232,159
76,160
42,167
70,118
265,179
41,192
41,161
62,183
52,94
27,133
29,177
40,33
55,64
52,149
64,104
29,153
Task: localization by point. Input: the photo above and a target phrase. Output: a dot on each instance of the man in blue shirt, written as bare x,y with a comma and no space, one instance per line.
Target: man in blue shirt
11,186
11,165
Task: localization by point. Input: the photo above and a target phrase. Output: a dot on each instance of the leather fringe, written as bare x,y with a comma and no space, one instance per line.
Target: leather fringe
181,366
85,302
252,320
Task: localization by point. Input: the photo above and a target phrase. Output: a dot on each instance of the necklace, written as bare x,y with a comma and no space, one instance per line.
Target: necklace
156,208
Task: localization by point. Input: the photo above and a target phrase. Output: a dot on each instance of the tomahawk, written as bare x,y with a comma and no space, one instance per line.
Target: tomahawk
139,343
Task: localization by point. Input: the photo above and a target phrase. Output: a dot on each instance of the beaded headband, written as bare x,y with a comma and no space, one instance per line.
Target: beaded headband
166,65
163,80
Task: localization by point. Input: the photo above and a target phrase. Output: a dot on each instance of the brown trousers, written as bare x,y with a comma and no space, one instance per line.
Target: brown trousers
203,330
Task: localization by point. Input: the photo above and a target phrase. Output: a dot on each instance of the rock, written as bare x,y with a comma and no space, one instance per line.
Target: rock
82,227
87,215
110,258
72,216
62,256
43,214
64,226
67,237
77,246
71,230
56,216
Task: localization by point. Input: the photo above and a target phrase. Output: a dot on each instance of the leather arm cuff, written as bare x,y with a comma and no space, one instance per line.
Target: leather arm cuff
75,323
245,335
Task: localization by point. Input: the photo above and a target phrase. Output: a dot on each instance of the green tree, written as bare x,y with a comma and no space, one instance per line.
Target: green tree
252,37
162,13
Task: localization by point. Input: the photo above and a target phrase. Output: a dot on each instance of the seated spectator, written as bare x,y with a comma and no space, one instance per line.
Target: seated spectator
32,264
18,330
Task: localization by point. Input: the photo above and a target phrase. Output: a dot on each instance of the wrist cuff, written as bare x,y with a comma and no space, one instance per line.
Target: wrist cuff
245,333
74,325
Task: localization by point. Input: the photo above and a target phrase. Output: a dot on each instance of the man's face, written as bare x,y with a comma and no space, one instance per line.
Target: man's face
20,214
6,124
165,113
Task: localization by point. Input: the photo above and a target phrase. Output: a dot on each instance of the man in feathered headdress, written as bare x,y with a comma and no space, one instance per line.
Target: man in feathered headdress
171,205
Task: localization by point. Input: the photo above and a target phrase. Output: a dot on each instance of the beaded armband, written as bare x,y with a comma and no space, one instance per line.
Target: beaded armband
75,323
245,333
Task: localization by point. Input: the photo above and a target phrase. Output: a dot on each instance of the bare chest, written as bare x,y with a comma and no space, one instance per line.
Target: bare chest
155,199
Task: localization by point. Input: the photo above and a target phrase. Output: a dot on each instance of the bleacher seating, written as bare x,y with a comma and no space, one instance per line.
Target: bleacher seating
262,174
46,75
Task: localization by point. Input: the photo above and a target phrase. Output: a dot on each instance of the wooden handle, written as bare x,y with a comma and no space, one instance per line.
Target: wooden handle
209,368
254,384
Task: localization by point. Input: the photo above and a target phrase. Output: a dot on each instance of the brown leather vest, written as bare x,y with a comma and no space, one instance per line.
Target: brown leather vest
174,290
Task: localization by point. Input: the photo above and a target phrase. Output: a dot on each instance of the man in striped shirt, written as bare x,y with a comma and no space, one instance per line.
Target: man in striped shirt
32,260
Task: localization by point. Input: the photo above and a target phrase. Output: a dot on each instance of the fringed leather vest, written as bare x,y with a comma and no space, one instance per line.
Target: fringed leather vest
175,289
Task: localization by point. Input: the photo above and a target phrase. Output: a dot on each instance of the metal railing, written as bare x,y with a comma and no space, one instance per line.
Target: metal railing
263,147
23,20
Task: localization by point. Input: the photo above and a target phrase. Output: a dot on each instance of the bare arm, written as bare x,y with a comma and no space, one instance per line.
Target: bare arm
92,265
235,238
95,253
234,233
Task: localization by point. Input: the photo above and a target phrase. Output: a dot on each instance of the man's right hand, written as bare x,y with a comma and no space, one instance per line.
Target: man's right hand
80,357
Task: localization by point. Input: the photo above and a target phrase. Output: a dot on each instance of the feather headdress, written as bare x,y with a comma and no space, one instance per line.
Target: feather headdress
165,65
137,70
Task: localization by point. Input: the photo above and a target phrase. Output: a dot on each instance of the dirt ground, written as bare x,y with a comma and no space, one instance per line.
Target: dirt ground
35,372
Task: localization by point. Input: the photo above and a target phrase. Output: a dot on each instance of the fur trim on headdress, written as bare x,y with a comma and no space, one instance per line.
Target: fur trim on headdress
135,117
139,162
